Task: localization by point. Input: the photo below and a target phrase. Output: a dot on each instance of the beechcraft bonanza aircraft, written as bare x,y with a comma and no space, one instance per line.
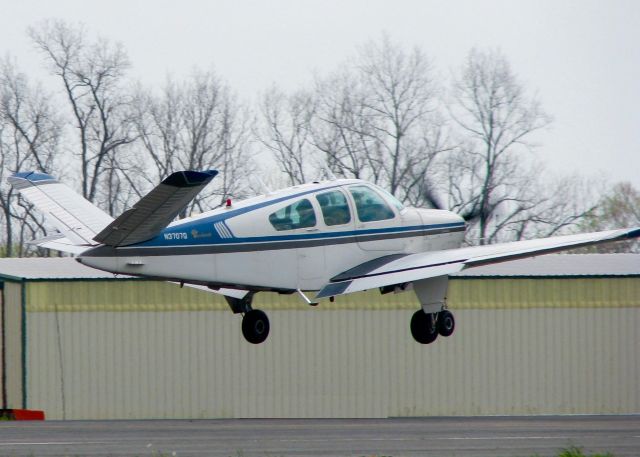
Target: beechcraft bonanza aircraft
335,237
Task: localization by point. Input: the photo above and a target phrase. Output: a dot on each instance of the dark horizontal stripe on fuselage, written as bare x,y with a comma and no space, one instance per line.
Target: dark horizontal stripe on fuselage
222,248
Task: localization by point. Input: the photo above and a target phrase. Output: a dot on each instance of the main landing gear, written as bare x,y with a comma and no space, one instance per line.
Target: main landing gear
433,319
255,326
425,327
255,323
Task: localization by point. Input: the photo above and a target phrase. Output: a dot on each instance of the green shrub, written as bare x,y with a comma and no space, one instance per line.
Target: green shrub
577,452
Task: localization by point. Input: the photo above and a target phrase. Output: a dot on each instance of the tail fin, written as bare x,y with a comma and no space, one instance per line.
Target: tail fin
75,217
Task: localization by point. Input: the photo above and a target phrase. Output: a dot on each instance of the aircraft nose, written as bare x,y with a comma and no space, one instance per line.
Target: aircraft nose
456,218
440,216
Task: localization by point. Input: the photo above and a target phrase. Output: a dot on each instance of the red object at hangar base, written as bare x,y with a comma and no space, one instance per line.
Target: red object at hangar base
21,415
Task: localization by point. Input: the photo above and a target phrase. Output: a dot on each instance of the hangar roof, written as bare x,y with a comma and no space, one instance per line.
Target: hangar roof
566,265
49,268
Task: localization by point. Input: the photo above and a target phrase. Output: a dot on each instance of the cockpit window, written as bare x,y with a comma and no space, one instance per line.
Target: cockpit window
370,205
295,216
334,206
390,198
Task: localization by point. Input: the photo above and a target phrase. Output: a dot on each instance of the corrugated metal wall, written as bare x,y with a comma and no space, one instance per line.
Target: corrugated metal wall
14,344
352,358
491,293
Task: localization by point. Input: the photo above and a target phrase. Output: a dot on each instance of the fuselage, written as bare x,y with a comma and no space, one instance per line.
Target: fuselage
295,238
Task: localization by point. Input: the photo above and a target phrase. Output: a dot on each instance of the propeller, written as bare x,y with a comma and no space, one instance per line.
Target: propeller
434,201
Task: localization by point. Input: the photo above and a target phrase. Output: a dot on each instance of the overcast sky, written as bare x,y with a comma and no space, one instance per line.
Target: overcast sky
581,57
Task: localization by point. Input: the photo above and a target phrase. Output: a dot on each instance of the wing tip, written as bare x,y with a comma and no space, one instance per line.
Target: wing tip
189,178
26,178
633,233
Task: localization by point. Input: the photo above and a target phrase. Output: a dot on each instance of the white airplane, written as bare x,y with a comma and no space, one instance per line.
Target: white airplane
335,237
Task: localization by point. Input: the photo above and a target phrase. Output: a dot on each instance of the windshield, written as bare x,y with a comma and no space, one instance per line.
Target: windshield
390,198
370,205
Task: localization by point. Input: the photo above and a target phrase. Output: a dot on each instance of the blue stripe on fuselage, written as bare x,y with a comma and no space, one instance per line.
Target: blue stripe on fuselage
201,238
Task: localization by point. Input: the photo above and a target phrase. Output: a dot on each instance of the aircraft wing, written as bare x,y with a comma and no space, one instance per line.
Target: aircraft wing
155,210
400,269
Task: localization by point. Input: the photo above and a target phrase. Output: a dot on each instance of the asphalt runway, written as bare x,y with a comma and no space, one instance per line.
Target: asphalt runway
423,437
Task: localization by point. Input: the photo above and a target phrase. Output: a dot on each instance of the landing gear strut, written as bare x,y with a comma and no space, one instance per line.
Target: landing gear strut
425,327
255,323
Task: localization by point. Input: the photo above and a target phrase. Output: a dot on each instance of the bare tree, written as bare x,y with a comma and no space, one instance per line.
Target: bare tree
375,119
91,73
196,124
400,96
285,132
491,181
559,204
378,119
341,129
29,140
619,208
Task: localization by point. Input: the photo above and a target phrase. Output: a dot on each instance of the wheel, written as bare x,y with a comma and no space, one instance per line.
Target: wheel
446,323
255,326
423,329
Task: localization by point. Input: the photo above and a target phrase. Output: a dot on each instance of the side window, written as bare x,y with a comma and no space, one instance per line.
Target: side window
334,206
370,205
297,215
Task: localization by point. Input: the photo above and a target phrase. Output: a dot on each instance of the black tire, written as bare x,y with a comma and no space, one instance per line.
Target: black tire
255,326
446,323
422,328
